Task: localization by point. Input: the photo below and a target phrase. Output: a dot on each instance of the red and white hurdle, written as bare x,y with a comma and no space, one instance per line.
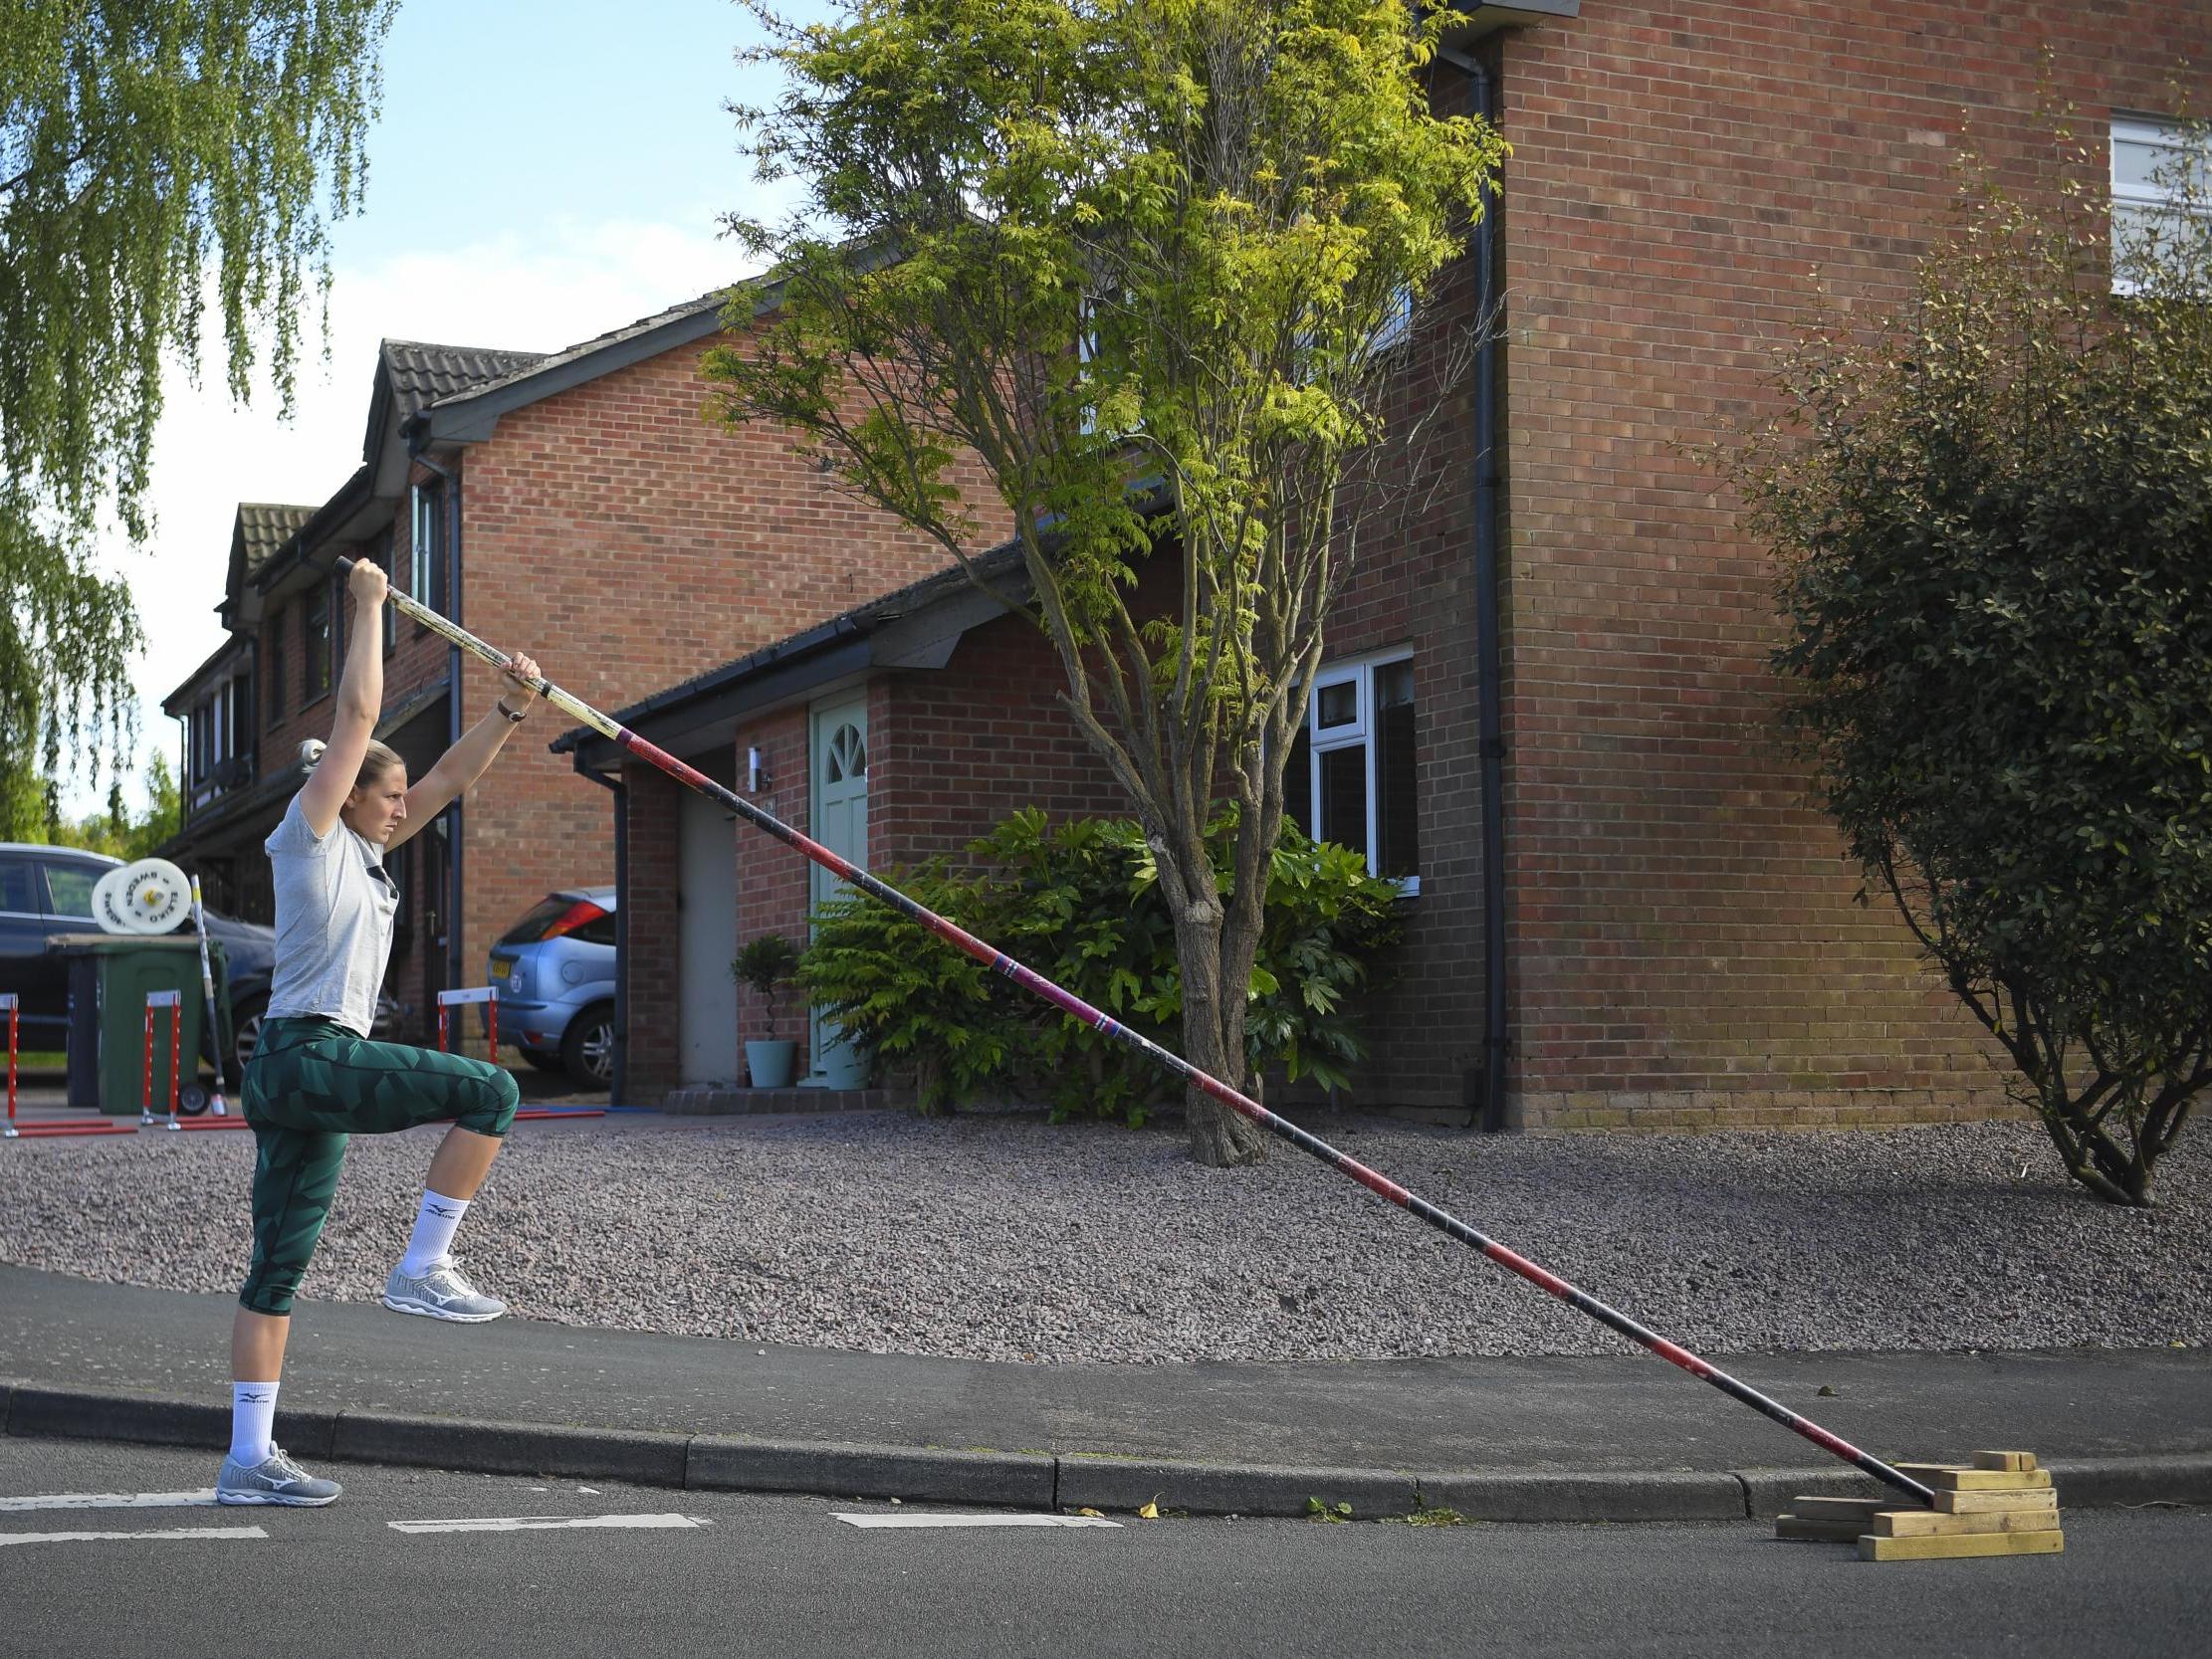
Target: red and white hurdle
489,996
174,1002
42,1131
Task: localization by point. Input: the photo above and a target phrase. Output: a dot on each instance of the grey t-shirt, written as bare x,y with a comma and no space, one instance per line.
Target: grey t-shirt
335,910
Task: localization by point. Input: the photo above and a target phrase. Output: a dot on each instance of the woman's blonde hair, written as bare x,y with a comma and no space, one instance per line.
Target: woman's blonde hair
375,762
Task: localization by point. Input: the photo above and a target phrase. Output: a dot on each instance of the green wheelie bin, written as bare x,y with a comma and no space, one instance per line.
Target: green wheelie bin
108,977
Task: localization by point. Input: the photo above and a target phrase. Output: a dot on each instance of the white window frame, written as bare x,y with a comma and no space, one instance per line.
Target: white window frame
2156,134
1396,327
423,549
1362,732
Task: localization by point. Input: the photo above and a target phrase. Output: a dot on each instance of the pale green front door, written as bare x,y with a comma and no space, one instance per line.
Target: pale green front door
841,823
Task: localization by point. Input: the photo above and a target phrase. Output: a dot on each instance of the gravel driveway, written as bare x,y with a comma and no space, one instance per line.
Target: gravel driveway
1004,1237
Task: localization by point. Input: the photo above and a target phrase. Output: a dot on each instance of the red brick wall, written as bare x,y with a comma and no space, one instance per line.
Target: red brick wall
650,923
629,544
1685,944
771,879
956,749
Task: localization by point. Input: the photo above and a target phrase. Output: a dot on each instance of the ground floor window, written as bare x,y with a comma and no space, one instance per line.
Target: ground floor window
1350,776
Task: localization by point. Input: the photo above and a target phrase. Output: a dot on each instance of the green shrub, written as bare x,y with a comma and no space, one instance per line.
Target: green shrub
1079,904
900,992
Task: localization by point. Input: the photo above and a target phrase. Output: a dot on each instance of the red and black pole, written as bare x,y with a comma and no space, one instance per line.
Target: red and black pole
1068,1002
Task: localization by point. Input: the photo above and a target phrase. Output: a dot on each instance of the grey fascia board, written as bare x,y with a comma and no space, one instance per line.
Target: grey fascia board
694,726
925,639
472,417
354,527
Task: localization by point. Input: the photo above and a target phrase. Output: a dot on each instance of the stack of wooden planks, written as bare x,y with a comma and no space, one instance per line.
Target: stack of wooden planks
2000,1504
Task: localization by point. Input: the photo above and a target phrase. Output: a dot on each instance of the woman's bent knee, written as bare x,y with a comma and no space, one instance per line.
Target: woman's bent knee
496,1114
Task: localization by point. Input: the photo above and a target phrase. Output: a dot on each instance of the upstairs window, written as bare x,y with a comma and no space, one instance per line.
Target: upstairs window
1350,777
380,556
242,713
426,569
2160,189
277,684
1398,322
315,643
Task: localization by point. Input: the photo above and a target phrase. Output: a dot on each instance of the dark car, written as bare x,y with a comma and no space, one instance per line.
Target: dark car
49,890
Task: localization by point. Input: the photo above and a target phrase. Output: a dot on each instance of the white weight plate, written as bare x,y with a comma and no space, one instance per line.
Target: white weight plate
149,897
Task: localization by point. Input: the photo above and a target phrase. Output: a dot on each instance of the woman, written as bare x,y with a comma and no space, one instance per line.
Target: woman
315,1077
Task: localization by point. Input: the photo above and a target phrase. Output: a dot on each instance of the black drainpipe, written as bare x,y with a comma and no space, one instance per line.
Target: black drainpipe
1486,1094
621,1080
454,911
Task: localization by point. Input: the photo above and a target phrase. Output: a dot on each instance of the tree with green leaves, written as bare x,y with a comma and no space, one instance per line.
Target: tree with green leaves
1994,509
115,831
158,159
1150,264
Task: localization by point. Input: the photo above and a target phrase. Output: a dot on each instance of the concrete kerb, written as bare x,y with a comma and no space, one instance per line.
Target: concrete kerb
1013,1480
1024,1480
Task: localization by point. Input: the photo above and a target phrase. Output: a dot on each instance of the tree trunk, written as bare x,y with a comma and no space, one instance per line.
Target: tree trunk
1212,1041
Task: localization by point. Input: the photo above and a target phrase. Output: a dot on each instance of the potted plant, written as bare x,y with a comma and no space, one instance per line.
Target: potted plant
766,964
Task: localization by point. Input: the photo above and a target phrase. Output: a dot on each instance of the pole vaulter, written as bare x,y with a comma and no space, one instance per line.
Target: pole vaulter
1029,980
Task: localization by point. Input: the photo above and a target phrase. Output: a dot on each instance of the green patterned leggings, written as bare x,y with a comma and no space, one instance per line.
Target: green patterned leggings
311,1083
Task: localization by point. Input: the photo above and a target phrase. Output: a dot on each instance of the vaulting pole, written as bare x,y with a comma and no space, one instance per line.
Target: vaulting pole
1069,1003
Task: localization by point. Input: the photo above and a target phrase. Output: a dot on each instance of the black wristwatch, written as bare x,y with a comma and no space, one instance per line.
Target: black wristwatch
501,705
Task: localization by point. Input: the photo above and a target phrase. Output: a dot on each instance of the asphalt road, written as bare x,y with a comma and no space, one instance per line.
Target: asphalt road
721,1574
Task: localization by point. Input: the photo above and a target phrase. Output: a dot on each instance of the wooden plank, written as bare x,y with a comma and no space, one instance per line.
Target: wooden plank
1810,1507
1983,1503
1954,1545
2004,1460
1923,1523
1990,1480
1825,1531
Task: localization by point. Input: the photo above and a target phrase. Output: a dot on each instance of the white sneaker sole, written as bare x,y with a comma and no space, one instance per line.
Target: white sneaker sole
278,1499
398,1306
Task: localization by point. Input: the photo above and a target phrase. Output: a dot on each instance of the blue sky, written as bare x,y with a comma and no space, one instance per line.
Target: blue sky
541,173
497,113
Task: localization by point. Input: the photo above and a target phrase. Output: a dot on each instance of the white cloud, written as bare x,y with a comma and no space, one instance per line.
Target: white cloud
576,280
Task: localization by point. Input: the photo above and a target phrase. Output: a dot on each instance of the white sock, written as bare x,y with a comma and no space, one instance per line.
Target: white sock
434,1225
253,1422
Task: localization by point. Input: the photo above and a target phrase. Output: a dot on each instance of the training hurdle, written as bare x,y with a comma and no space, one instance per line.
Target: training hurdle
489,996
174,1002
486,995
42,1132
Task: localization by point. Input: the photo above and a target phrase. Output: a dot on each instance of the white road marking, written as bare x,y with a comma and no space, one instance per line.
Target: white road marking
539,1523
205,1495
167,1531
912,1520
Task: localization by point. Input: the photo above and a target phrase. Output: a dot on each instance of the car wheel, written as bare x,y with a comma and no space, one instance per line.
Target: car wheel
246,1032
543,1062
588,1046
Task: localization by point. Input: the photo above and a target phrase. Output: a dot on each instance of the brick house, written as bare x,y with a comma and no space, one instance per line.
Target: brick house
1657,929
571,504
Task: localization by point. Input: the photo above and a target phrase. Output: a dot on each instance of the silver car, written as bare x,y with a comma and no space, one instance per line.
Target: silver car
555,969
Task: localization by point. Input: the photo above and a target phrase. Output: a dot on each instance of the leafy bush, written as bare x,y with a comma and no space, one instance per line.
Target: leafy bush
1080,905
900,992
